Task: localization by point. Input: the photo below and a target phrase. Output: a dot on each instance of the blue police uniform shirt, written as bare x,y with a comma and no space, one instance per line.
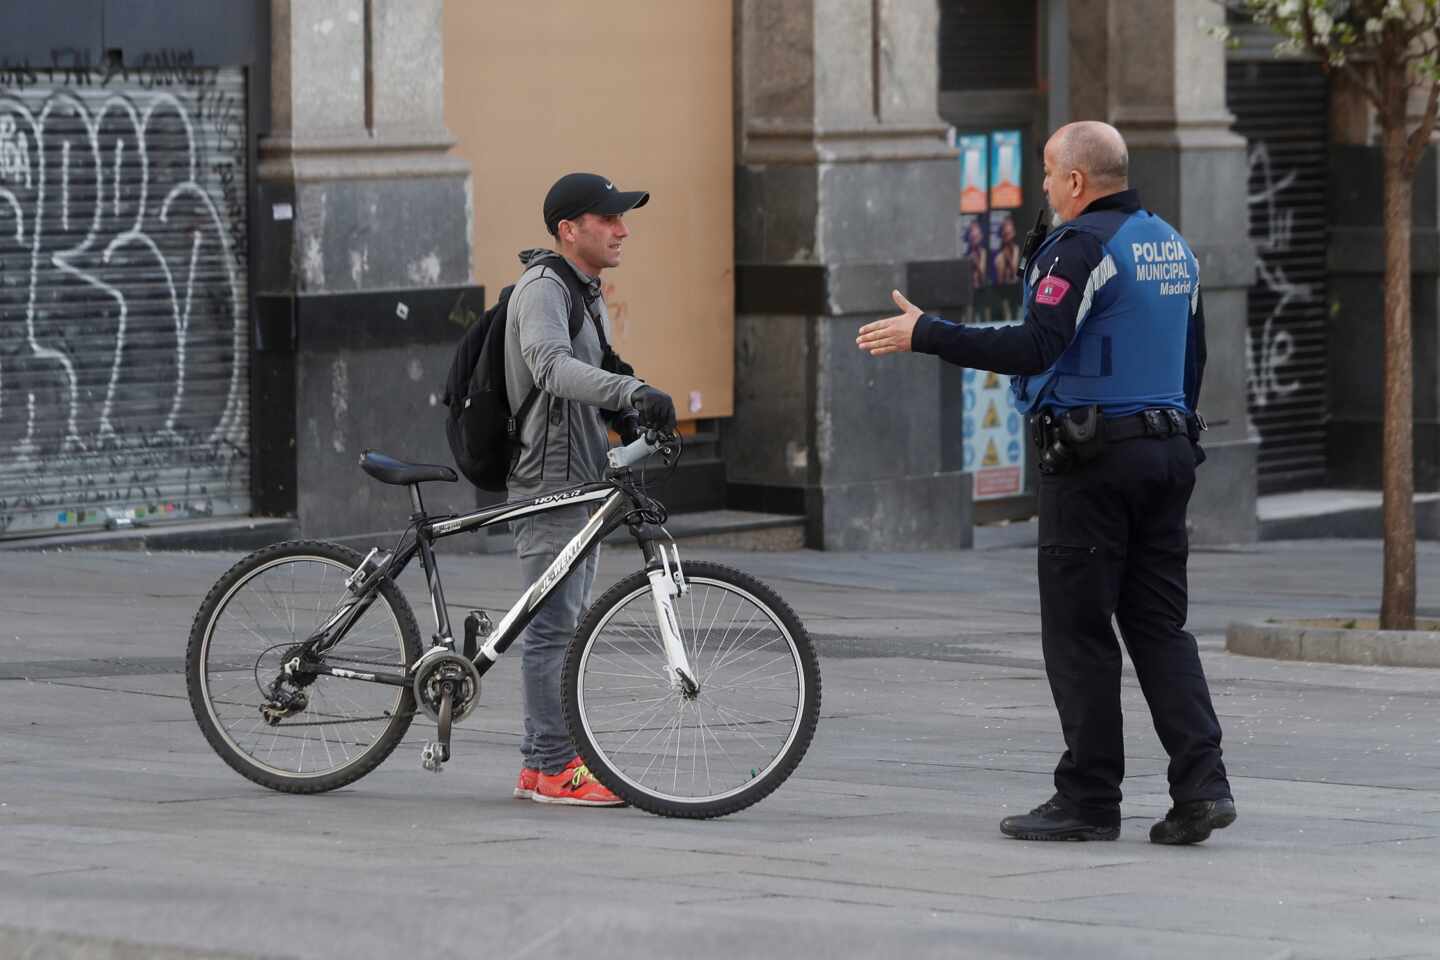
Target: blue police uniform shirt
1112,316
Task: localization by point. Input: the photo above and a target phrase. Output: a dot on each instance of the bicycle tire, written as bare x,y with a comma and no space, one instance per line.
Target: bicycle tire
610,638
222,649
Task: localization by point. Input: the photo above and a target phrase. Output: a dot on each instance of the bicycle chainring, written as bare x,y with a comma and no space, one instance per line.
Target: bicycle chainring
430,677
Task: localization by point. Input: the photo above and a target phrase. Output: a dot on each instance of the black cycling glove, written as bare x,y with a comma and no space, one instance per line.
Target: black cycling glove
656,409
627,425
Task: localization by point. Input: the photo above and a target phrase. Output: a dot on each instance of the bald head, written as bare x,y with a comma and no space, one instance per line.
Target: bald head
1095,149
1083,162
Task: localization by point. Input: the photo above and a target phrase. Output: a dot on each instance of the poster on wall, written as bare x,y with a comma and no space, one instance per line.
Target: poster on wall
975,245
1004,248
1005,189
1002,301
994,439
972,174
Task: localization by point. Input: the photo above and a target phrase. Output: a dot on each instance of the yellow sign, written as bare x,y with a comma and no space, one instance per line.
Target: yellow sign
992,455
992,417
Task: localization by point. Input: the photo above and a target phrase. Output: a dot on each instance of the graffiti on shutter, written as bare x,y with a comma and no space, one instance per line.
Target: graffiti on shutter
124,343
1281,108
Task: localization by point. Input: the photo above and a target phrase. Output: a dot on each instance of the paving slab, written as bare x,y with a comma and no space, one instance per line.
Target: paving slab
122,834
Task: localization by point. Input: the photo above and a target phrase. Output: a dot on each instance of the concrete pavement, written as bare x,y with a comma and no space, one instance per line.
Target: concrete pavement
123,835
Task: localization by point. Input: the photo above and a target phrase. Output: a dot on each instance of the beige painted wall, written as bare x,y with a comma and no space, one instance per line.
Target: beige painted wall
640,92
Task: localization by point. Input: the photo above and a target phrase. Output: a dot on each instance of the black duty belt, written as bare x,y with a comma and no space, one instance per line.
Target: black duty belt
1159,422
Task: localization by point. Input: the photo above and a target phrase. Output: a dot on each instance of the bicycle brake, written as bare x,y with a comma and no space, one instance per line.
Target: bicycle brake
670,564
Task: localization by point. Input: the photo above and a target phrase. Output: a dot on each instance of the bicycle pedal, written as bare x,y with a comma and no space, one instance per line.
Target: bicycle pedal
432,757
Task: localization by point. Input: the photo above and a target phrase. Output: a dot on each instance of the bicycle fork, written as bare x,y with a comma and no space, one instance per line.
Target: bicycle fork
667,582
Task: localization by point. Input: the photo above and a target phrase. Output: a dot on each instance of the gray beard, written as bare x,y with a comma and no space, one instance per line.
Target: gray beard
1055,219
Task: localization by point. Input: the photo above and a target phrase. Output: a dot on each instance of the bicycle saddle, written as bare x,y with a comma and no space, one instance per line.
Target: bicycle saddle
387,469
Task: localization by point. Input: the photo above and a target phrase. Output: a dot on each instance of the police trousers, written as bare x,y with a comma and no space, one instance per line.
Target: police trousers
1113,544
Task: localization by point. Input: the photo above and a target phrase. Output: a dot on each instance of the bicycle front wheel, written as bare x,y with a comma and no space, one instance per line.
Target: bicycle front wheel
259,610
712,751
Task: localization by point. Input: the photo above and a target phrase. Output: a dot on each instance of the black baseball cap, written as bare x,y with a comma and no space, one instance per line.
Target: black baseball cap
579,193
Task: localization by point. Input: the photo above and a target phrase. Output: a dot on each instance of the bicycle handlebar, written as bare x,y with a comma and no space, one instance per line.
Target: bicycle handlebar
633,452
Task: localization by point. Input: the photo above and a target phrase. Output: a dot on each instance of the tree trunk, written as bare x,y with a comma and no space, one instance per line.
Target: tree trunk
1397,605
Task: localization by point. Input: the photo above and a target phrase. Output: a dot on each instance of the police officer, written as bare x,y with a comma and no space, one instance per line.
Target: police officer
1108,362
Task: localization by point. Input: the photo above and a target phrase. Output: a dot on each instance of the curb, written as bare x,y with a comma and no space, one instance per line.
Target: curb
1277,640
241,533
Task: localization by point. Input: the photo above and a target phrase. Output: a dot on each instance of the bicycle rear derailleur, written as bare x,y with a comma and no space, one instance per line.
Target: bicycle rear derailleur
286,695
283,703
447,688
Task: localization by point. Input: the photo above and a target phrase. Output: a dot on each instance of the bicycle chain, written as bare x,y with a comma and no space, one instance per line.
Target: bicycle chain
338,723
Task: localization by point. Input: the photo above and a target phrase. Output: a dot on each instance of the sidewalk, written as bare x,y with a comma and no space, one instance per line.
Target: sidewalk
120,829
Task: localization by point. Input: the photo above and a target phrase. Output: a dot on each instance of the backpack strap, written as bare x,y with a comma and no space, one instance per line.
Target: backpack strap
578,311
580,293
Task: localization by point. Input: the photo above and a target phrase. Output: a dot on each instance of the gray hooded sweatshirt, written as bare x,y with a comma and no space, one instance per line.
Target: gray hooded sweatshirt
563,441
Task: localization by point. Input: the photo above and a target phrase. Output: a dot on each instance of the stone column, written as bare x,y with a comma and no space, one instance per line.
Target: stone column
1166,94
359,143
845,189
363,226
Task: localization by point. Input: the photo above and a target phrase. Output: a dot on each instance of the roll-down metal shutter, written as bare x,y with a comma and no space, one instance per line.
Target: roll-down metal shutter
124,353
1282,109
988,44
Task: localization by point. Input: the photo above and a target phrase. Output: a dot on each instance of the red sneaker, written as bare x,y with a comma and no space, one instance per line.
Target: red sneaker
574,785
525,786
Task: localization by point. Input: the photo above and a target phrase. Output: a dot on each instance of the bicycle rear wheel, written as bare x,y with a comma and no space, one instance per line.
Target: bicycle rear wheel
730,743
260,609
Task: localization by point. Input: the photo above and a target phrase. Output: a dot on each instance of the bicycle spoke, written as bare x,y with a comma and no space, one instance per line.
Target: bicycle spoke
348,717
638,663
640,729
769,663
736,726
723,654
617,724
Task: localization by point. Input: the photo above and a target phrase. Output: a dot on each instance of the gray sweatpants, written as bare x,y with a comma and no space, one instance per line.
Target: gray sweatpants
539,539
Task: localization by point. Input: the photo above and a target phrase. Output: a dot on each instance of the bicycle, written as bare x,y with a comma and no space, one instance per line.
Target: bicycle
683,705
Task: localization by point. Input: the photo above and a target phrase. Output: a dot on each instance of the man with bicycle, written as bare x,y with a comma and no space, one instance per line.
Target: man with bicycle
563,441
1109,362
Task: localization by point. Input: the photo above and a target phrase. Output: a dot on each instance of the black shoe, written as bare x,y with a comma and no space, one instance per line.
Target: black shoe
1192,821
1052,821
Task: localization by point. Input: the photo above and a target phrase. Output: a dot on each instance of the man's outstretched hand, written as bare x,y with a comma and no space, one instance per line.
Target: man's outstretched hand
893,334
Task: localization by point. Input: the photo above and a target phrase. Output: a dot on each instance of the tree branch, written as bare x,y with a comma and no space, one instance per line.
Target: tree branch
1361,74
1420,136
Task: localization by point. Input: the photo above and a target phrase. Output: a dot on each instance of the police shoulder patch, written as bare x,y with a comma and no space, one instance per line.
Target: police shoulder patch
1051,290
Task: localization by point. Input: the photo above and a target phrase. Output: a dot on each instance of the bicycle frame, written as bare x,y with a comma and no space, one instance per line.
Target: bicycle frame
616,505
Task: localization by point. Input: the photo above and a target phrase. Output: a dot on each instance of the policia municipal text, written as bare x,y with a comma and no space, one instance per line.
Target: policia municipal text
1108,362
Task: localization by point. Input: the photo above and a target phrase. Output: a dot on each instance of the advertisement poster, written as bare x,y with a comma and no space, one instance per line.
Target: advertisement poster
994,436
972,174
975,244
1005,169
1004,249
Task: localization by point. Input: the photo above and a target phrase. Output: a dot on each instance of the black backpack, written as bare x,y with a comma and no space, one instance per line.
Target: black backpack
483,432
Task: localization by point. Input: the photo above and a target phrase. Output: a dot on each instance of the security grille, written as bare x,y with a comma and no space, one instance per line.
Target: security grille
124,373
1281,108
988,44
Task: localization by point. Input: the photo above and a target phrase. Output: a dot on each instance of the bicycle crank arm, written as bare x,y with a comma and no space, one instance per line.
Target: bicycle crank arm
438,752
